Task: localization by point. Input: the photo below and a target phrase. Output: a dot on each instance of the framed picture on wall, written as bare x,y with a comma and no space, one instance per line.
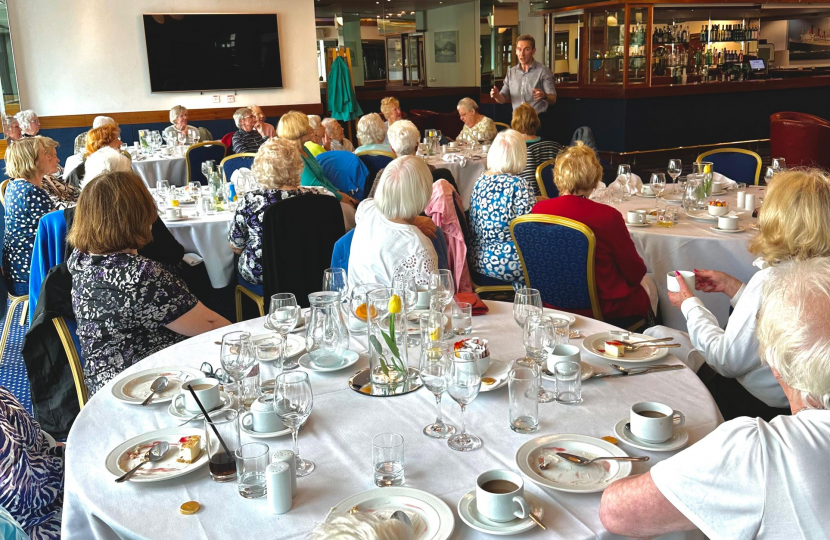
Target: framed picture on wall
446,47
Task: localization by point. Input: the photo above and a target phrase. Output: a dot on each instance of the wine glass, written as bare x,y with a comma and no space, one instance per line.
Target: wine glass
162,192
525,303
406,286
624,176
779,164
334,279
435,369
537,336
675,169
463,386
441,289
293,401
237,358
283,316
658,184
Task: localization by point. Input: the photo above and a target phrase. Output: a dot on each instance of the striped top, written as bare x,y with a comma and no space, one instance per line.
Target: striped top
247,141
537,153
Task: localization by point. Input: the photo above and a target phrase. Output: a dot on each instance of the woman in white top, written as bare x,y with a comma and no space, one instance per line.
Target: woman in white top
749,478
795,224
386,241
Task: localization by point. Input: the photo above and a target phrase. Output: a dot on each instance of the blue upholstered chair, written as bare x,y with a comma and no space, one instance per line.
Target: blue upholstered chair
735,163
252,291
198,154
484,284
235,162
544,179
375,160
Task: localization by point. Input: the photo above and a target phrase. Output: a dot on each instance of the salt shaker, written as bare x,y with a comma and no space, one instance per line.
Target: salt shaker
278,487
287,456
750,202
741,199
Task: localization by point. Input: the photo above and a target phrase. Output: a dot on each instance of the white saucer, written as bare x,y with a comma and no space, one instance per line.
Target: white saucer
499,371
647,224
348,359
469,514
732,231
181,412
587,372
256,434
646,196
183,218
676,442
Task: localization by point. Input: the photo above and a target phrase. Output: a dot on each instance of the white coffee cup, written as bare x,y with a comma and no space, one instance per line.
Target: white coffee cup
647,190
637,216
688,277
654,422
173,212
423,297
503,500
563,353
728,223
206,389
452,144
262,418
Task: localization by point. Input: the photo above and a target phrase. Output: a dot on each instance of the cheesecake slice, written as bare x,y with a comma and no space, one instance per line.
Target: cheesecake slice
615,348
190,448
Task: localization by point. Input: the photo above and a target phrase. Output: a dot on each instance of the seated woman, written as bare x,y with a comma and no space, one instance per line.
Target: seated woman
80,140
266,129
31,471
247,138
105,136
28,161
526,121
622,285
277,168
477,127
318,132
294,126
29,122
386,242
11,128
127,306
334,138
390,108
795,225
104,160
499,196
371,134
180,132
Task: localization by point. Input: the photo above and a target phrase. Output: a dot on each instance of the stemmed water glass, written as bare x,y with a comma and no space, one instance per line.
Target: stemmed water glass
441,289
293,401
335,279
658,184
539,335
406,286
464,385
283,316
435,370
675,169
162,191
526,302
237,357
624,175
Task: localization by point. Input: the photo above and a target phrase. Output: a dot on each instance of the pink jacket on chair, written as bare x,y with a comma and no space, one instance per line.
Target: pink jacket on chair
441,209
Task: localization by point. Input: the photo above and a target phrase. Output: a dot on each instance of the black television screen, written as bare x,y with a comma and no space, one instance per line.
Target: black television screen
212,52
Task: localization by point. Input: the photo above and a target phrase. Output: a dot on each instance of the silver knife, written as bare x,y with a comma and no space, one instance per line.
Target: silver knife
607,374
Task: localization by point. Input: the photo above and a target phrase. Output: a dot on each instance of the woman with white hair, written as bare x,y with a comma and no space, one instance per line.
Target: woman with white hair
103,161
499,196
477,127
751,478
318,132
29,122
386,242
80,140
179,131
334,138
247,139
11,128
371,132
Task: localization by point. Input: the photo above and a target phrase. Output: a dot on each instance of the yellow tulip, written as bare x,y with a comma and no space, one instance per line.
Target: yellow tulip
395,304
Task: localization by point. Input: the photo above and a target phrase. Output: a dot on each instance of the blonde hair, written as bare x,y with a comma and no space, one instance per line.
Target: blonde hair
21,157
576,169
278,163
405,188
508,153
403,138
467,104
525,120
293,126
176,112
241,113
795,217
370,129
387,104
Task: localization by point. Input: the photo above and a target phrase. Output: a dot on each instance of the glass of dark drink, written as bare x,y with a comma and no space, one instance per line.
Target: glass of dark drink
222,441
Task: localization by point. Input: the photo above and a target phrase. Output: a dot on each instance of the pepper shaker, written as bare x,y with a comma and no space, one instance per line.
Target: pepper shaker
278,487
287,456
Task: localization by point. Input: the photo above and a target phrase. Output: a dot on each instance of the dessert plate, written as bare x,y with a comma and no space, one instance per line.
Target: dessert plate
348,359
468,513
294,345
128,454
554,313
563,475
677,441
729,231
431,518
415,325
587,372
647,224
499,371
173,219
595,344
135,387
246,427
177,410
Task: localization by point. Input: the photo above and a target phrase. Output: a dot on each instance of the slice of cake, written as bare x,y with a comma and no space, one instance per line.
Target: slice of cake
190,448
471,345
615,348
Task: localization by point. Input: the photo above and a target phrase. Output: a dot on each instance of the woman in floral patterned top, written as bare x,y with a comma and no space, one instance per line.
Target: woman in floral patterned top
127,306
499,196
477,127
277,168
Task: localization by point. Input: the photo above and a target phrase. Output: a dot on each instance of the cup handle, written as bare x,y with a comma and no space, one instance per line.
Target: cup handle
247,420
678,422
524,508
176,401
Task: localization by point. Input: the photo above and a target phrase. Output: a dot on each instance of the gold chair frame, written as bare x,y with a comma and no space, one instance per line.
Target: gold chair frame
7,326
539,169
74,359
197,145
376,153
232,156
501,125
258,300
736,151
3,185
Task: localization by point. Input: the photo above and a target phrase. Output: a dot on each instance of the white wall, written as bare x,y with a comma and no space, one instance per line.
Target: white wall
533,25
352,39
89,56
465,19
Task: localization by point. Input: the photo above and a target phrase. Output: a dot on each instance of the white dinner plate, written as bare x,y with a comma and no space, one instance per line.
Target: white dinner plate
182,218
468,513
177,410
587,372
595,344
300,324
673,198
248,429
677,441
348,359
701,215
135,387
728,231
646,196
127,455
554,313
498,370
647,224
562,475
294,345
431,518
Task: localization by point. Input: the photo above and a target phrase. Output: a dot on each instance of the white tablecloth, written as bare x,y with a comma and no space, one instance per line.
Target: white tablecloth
150,169
692,244
465,177
337,437
208,237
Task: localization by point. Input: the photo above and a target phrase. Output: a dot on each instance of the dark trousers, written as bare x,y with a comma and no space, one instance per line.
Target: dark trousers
734,400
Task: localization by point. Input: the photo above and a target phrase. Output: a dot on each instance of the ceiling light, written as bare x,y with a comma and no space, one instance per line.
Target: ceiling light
412,13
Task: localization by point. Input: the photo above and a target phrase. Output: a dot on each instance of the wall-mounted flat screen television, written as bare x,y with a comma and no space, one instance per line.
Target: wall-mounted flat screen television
197,52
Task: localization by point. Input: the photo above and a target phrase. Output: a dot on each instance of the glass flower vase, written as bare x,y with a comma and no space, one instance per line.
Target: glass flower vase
387,338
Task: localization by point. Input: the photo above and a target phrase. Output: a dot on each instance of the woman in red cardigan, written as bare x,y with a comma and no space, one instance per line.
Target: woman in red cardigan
620,272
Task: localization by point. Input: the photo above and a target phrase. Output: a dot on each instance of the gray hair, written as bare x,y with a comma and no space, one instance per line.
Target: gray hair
329,124
26,119
405,188
403,138
103,121
508,153
371,129
239,114
176,111
314,121
794,325
105,160
467,104
363,526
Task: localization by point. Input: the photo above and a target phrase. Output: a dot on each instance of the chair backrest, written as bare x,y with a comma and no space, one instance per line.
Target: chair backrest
205,135
3,185
544,179
298,237
799,117
197,154
342,250
346,171
49,250
735,163
557,256
227,140
235,162
80,142
501,126
375,161
801,139
69,338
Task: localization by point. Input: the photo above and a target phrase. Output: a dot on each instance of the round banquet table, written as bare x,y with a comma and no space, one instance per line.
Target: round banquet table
693,244
337,437
208,237
465,177
150,168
